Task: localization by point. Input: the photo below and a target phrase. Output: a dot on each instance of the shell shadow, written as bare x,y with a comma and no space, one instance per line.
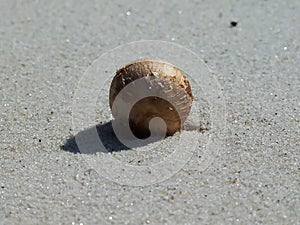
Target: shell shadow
105,133
106,136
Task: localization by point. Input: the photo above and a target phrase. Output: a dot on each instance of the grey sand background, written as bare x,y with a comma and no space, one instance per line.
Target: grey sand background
46,47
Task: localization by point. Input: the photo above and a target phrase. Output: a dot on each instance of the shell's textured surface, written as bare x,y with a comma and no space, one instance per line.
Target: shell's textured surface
162,76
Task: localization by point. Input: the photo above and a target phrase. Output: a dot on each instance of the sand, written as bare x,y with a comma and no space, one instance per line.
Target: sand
247,173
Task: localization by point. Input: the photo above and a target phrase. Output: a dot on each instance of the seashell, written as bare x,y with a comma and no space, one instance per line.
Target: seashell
170,95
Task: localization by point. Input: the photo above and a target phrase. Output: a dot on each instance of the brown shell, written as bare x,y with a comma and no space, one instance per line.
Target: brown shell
171,81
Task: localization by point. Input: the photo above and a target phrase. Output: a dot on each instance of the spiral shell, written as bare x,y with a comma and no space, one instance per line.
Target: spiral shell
167,80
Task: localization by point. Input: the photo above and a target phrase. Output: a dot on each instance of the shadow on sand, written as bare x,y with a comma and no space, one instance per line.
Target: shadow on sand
101,138
105,133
